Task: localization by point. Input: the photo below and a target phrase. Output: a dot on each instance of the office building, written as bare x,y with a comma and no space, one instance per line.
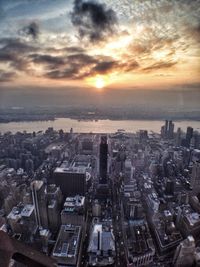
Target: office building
39,197
140,247
101,248
22,220
73,210
189,135
195,178
71,180
103,160
67,248
184,254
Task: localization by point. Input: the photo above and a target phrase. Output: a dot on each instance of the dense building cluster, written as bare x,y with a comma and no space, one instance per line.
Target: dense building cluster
122,199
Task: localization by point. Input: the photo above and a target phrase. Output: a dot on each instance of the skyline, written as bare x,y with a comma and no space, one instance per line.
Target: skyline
114,44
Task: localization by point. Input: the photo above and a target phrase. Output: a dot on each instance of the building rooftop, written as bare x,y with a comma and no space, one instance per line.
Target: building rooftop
67,245
37,184
101,248
21,211
27,210
77,201
71,170
193,218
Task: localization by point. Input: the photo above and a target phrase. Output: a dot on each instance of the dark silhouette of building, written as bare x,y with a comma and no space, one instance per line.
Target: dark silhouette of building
72,181
171,130
167,130
103,160
189,135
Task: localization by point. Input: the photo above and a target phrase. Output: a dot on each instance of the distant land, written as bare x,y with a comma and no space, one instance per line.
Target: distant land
33,104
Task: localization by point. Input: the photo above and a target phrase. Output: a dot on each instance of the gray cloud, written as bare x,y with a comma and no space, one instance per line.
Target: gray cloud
81,66
93,20
193,31
6,76
160,65
50,61
31,30
15,52
15,45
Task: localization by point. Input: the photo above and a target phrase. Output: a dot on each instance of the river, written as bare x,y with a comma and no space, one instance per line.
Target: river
100,126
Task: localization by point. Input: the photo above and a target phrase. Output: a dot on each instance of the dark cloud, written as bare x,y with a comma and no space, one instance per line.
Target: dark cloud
52,61
74,49
105,66
31,30
80,66
14,52
160,65
4,57
15,45
6,76
93,20
59,63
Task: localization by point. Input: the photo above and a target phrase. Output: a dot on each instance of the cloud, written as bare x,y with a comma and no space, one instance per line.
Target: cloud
31,30
14,52
160,65
6,76
15,45
193,31
74,49
105,66
80,66
52,61
70,62
93,20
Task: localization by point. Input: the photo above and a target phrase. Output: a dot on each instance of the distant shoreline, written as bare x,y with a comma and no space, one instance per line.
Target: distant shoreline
47,118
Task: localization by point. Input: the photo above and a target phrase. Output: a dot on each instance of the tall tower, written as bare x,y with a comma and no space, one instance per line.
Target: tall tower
178,137
166,128
103,160
189,135
195,178
39,197
171,130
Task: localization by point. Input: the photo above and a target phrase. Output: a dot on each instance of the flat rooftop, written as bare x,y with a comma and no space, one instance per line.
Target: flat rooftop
66,249
76,201
21,211
81,170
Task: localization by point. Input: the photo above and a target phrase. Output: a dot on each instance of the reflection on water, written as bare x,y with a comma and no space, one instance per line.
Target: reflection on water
100,126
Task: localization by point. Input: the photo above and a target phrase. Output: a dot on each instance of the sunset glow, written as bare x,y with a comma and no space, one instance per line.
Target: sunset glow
138,43
100,83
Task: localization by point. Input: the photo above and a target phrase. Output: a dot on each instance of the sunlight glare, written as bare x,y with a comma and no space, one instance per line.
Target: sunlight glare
99,83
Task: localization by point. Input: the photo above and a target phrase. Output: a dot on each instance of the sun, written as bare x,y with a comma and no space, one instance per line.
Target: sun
99,83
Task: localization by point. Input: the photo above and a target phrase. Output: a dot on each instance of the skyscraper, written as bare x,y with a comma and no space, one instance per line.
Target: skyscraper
189,135
195,178
171,130
166,128
103,160
39,197
72,180
178,137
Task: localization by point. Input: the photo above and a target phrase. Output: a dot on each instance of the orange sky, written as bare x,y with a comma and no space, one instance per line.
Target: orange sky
115,44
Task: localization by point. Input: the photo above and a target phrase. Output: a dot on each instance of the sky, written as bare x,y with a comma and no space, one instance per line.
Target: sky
105,43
